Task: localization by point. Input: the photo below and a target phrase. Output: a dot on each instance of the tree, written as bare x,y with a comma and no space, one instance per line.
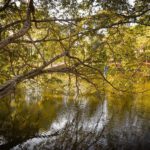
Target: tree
64,36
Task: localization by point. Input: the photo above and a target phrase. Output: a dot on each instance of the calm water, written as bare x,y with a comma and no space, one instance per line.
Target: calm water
47,118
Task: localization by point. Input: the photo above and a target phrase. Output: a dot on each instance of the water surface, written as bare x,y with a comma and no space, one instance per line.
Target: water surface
47,118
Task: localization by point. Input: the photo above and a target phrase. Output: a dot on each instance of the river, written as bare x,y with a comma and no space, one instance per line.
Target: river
38,118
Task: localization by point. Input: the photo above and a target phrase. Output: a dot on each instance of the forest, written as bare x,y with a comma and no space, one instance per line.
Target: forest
75,74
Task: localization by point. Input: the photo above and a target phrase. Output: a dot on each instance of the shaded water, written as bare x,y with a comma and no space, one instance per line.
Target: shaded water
44,118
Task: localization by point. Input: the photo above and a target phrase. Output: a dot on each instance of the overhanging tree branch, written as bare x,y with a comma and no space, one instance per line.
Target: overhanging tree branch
9,85
20,33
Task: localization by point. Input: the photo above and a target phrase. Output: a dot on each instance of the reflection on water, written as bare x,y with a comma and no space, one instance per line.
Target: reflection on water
45,119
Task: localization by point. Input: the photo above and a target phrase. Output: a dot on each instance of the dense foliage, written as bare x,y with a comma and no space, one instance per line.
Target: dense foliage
79,37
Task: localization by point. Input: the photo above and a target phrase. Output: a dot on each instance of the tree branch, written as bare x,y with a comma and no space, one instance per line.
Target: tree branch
20,33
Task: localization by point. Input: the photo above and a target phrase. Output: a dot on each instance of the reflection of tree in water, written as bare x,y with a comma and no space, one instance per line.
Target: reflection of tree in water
75,130
77,133
16,123
86,123
129,129
21,120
